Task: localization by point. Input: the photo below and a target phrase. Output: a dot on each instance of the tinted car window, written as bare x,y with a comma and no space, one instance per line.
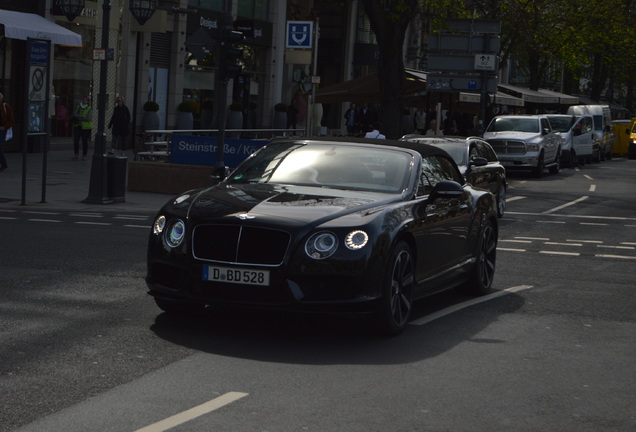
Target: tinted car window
436,169
486,151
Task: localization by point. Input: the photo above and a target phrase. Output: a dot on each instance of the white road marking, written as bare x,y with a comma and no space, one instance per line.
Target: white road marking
592,188
93,223
514,198
585,241
192,413
44,220
40,212
451,309
511,250
563,244
131,217
616,247
552,222
628,243
587,177
8,218
88,215
571,203
515,241
560,253
593,223
533,238
615,256
138,226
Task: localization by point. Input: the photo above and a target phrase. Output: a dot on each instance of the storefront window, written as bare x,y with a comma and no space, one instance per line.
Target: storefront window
216,5
72,79
256,9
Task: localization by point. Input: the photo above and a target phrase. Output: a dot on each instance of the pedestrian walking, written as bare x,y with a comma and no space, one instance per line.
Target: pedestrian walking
120,124
83,126
6,129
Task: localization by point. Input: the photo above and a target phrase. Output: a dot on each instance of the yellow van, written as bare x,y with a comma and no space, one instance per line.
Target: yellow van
631,145
622,132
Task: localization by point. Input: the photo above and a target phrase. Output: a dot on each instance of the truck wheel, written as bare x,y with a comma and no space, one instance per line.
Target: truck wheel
556,167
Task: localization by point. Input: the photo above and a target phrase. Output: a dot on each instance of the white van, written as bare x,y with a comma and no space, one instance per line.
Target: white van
579,142
602,126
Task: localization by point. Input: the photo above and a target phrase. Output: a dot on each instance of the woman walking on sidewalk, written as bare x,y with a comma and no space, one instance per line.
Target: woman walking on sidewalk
120,122
6,124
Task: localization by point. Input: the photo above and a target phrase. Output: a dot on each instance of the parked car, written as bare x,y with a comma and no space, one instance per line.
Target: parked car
345,225
602,126
525,142
579,141
476,160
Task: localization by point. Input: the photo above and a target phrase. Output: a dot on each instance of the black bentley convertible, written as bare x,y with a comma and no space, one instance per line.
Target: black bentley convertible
329,226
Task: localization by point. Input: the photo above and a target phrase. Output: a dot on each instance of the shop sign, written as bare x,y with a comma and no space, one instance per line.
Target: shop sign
201,150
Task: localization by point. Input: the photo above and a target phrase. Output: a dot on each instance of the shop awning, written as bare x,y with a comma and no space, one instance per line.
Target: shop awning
498,98
20,25
528,95
564,99
366,88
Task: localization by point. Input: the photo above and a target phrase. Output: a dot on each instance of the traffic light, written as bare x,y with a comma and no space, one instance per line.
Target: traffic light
231,54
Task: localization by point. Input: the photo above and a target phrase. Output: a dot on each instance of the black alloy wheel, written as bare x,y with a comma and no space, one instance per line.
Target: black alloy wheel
397,291
483,272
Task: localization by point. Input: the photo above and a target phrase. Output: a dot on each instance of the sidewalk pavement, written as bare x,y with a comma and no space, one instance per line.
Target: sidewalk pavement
67,184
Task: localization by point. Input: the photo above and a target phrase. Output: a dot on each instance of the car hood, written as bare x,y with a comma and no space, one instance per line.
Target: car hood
275,203
525,136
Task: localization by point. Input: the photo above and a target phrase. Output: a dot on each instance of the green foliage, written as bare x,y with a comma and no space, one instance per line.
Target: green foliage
188,105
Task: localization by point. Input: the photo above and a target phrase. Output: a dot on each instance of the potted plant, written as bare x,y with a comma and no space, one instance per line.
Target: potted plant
150,120
185,120
235,116
280,116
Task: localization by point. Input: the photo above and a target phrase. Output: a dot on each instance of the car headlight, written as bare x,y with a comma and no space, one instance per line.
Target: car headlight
159,225
175,233
356,240
321,245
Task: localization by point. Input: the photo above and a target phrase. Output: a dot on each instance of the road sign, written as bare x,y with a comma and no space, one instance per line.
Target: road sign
474,26
464,43
486,62
299,34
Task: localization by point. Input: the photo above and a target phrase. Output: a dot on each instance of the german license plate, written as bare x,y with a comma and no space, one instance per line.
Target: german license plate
236,275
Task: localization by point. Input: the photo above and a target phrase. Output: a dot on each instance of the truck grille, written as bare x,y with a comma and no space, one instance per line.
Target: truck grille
508,146
239,244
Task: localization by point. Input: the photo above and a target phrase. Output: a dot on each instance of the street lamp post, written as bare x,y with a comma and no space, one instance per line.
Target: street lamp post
142,10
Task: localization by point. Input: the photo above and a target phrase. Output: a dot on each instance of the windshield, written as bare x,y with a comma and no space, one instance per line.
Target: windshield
327,165
561,124
514,124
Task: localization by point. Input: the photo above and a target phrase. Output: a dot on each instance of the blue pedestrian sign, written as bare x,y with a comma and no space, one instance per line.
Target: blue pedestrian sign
299,34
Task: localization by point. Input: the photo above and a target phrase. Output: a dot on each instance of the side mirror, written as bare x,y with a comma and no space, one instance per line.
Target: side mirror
478,162
545,131
446,189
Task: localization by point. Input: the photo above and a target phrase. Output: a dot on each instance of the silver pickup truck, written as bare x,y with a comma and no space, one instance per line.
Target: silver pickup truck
525,142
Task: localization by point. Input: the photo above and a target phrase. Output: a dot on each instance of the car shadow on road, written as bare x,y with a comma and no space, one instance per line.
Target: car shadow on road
322,340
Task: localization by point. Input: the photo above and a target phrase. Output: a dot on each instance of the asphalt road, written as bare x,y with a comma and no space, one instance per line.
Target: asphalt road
552,349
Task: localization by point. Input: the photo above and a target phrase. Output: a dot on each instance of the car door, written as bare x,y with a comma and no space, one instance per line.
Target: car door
442,222
551,141
582,139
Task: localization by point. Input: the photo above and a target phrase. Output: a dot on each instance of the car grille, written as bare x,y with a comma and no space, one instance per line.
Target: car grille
508,146
239,245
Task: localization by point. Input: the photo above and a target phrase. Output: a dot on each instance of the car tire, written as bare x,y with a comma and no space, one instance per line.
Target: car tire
501,201
396,302
481,277
173,307
556,167
538,171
